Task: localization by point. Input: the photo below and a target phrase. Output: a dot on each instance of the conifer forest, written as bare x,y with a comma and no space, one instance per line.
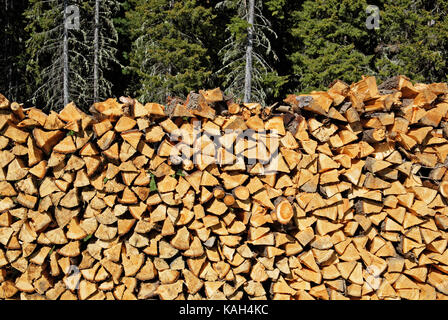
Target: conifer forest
156,49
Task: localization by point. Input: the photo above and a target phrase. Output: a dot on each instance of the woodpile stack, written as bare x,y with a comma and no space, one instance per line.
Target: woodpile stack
334,195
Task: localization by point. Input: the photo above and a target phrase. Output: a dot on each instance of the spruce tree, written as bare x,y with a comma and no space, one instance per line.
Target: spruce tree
413,40
12,41
102,41
279,13
45,50
331,42
168,56
247,54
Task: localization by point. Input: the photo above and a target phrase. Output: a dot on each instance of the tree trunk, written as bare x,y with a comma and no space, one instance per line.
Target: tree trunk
250,30
65,58
96,51
7,45
9,12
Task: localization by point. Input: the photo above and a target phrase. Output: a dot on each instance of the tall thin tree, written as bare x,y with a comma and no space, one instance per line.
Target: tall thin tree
250,44
247,54
57,50
65,57
102,40
96,50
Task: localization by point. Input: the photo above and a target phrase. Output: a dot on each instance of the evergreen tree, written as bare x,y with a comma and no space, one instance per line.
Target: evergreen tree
331,42
45,50
102,41
168,56
278,12
12,41
413,40
248,52
121,76
152,49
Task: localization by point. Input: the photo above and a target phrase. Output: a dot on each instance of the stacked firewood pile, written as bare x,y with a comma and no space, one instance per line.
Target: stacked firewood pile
333,195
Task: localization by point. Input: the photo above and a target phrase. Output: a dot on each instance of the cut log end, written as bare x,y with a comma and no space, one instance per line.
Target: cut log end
443,188
284,211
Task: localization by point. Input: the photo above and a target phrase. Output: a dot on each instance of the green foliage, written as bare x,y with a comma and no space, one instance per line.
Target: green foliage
87,238
180,173
152,183
331,38
153,49
273,83
238,28
44,47
107,43
51,251
12,54
276,8
413,41
168,56
266,82
121,76
333,42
